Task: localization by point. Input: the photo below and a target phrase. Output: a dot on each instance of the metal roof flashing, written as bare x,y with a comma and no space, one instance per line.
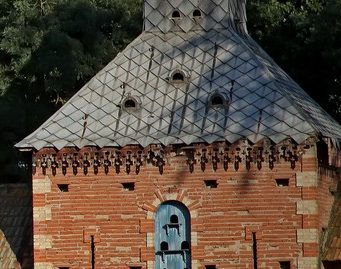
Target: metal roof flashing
187,85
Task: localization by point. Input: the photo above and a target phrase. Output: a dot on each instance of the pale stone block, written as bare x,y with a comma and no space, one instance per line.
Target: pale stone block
150,265
307,207
123,249
311,152
186,201
156,202
150,239
307,236
307,263
42,213
42,241
102,217
150,215
43,265
194,214
41,185
306,179
194,238
195,264
171,196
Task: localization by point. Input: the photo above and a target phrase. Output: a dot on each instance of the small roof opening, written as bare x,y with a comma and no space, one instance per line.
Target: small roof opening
130,103
197,13
178,77
176,14
217,100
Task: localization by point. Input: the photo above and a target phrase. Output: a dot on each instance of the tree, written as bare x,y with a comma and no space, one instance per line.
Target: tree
48,50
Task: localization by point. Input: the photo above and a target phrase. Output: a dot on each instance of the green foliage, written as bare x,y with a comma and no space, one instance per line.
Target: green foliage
48,50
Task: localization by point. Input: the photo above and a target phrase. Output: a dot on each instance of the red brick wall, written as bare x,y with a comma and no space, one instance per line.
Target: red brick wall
223,218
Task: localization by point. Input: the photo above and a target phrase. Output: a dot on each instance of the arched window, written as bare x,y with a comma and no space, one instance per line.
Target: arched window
197,14
178,77
174,219
130,103
217,100
176,14
164,245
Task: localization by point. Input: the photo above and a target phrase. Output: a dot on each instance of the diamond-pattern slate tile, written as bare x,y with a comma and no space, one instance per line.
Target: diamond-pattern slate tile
262,100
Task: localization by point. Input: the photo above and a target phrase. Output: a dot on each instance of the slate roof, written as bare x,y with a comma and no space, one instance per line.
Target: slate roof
216,57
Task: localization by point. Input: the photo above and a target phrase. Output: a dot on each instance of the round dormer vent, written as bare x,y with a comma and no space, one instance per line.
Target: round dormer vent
178,76
131,103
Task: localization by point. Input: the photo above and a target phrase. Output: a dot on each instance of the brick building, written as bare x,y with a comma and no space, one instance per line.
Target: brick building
191,149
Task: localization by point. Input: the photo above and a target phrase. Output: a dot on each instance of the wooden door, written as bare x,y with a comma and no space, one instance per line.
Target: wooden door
172,236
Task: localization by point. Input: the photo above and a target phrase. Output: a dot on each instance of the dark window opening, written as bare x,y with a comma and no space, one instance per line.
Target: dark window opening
197,13
282,182
212,184
128,186
284,265
178,77
130,103
164,245
135,267
217,100
92,245
63,187
63,267
254,250
175,14
174,219
211,266
322,153
184,245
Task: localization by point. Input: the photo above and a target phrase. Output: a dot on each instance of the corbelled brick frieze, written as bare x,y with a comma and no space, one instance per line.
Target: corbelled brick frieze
131,159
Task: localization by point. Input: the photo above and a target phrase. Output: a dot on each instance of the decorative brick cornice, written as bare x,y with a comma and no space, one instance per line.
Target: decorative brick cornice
200,156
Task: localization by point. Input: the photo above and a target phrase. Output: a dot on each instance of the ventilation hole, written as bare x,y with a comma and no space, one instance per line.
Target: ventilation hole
63,267
63,187
211,266
197,13
130,103
282,182
174,219
175,14
284,265
217,100
135,267
164,245
211,184
178,77
128,186
184,245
